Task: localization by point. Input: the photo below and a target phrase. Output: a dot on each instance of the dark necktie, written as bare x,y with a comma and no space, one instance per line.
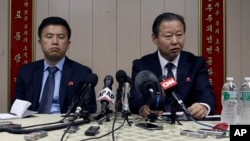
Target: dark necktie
169,67
48,92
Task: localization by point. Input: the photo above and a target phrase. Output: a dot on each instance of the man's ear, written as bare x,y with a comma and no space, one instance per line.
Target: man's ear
154,39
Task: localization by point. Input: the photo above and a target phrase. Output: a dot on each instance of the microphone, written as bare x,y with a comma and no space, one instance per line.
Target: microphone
147,84
125,105
169,85
121,78
125,98
106,95
91,82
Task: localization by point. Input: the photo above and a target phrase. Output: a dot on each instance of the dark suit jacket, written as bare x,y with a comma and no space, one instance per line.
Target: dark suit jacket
192,79
29,84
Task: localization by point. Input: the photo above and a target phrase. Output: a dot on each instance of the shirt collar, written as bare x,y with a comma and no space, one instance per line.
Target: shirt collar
164,61
59,65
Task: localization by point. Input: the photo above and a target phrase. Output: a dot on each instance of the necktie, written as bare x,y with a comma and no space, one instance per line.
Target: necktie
169,67
48,92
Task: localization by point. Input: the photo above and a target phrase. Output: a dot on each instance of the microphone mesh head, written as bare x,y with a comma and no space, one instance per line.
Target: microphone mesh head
121,76
108,81
92,78
145,82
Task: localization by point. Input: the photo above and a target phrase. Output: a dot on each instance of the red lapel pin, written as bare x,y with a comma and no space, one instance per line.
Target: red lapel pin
70,83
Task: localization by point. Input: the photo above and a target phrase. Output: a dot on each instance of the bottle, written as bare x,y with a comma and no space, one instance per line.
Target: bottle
229,101
244,113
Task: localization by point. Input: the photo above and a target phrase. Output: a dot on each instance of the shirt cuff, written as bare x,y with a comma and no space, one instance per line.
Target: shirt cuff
208,107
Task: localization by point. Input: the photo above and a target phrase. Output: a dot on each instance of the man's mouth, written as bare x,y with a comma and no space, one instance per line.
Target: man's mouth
175,49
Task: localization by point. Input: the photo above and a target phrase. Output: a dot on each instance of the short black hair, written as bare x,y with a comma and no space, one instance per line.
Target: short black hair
166,17
54,21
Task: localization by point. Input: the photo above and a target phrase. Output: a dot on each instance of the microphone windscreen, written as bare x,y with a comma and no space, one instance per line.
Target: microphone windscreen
92,79
121,76
145,81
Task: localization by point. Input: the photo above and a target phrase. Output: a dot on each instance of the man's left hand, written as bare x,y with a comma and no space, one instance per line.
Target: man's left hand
198,110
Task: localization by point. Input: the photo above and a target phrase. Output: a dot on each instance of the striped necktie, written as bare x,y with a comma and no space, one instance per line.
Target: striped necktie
48,92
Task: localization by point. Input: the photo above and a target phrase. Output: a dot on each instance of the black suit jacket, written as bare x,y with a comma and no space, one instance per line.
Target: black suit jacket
29,84
192,79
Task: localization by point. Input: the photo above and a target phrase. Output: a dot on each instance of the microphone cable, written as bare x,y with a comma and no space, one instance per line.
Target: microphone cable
43,124
50,123
46,128
196,121
180,102
113,125
112,131
67,129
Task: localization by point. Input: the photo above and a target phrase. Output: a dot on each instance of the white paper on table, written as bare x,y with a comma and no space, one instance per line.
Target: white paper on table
19,109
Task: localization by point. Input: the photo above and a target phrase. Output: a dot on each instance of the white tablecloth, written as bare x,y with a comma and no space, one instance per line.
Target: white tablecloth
171,132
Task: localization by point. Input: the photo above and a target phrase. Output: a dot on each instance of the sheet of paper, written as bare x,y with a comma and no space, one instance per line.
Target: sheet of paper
19,109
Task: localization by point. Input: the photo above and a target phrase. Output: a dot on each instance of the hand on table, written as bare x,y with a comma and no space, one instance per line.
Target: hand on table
198,110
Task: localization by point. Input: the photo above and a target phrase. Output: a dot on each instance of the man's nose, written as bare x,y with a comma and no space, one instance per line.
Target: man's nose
174,39
54,39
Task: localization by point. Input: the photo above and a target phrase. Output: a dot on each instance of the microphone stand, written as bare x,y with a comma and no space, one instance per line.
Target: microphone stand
70,108
173,109
152,117
154,97
125,115
125,105
75,101
80,109
107,112
118,98
178,101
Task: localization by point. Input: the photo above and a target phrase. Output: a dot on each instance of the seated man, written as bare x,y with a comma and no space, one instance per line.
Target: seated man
54,38
189,70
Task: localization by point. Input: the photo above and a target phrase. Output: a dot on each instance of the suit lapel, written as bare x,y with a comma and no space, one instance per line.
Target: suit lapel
37,82
65,78
183,70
